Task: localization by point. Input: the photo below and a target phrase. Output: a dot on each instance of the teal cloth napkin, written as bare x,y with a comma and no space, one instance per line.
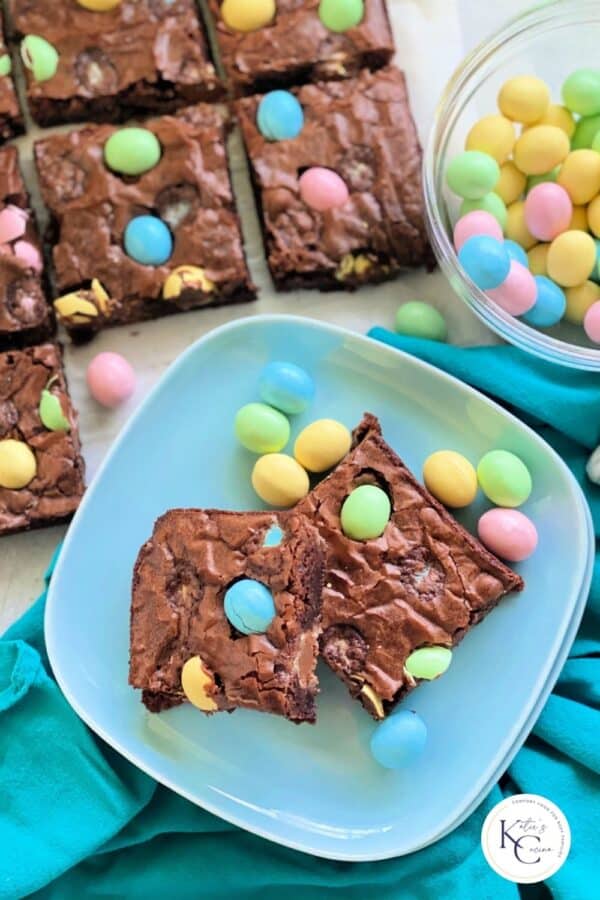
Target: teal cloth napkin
77,820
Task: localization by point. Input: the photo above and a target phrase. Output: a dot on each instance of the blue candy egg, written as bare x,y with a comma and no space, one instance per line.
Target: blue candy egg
485,260
280,116
286,386
273,536
516,252
249,606
399,740
549,306
148,241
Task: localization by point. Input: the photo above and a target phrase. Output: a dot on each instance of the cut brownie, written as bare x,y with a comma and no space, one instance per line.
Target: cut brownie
54,492
141,56
11,119
363,130
25,315
177,613
425,582
189,189
297,47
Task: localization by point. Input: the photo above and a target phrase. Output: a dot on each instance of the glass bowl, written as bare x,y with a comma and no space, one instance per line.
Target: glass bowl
549,41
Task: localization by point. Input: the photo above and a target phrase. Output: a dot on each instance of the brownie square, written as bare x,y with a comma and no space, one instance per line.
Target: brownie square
177,612
142,56
297,47
25,315
54,493
363,130
426,581
189,189
11,119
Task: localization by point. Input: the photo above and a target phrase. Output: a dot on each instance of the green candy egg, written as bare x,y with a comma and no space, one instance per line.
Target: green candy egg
581,92
50,410
419,319
341,15
504,478
491,203
365,513
534,180
5,65
39,56
585,132
472,174
428,662
132,151
261,429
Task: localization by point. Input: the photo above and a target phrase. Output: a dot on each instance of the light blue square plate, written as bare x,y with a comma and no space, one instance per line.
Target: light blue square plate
315,788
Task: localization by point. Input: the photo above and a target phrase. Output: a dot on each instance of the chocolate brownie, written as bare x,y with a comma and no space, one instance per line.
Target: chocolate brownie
296,47
189,189
11,119
54,493
142,56
25,315
180,579
363,130
426,581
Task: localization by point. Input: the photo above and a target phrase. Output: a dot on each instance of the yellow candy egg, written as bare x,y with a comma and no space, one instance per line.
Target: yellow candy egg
198,683
579,300
17,464
511,183
580,175
538,259
571,258
593,216
524,99
540,149
579,219
248,15
559,116
279,480
99,5
322,444
516,229
451,478
494,135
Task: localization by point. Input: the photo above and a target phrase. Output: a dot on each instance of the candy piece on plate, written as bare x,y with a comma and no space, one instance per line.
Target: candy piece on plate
399,741
508,533
110,378
451,478
322,444
286,386
279,480
504,478
261,428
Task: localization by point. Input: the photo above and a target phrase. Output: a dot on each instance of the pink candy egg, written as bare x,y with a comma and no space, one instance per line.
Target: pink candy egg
548,211
508,533
323,189
29,254
476,223
110,378
518,293
13,222
591,322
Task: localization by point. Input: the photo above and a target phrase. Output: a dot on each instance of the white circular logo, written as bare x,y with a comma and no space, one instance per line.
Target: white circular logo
526,838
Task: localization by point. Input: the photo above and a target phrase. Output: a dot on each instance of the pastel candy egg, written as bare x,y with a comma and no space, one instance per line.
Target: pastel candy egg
5,65
50,411
537,257
511,183
248,15
579,300
261,429
491,203
472,174
341,15
571,258
504,478
476,223
524,99
99,5
508,533
550,304
581,92
422,320
280,116
148,241
494,135
548,210
516,252
586,130
485,261
110,378
17,464
249,606
132,151
322,189
451,478
593,216
39,56
560,116
399,740
579,219
29,254
428,662
518,293
580,175
322,444
540,149
592,467
365,513
286,387
591,322
198,684
273,537
13,222
533,180
279,480
516,226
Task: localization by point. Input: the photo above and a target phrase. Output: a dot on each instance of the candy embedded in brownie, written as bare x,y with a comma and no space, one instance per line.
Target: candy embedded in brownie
11,118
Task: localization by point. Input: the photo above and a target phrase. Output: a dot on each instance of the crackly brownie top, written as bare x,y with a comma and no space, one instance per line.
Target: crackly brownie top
22,301
424,582
103,53
297,38
56,489
180,579
9,106
364,131
189,189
